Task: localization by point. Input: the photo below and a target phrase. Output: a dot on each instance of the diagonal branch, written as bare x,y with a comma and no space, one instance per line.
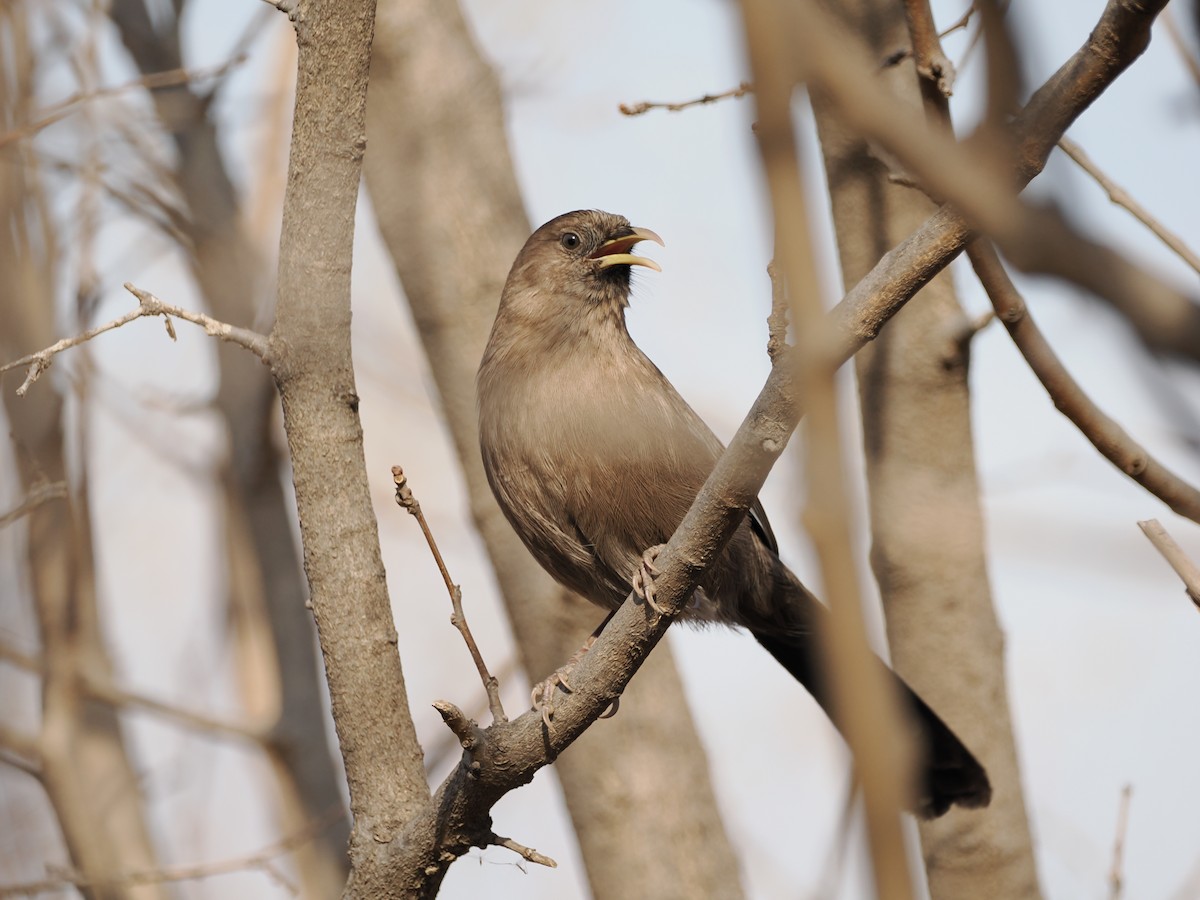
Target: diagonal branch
148,305
1116,444
1123,199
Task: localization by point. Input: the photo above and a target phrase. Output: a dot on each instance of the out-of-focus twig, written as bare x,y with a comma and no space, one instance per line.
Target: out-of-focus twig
636,109
1184,566
36,497
261,861
405,499
865,710
1185,52
1116,878
106,692
1123,199
154,81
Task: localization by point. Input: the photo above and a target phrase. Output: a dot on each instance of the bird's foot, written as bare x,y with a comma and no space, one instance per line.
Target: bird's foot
542,694
643,577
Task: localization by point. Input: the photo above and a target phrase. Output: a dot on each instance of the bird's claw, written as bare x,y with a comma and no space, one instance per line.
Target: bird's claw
542,694
643,578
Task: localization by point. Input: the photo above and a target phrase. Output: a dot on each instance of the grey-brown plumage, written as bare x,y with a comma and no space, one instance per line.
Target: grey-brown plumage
594,457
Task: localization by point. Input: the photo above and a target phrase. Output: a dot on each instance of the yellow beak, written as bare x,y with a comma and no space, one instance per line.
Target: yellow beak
613,252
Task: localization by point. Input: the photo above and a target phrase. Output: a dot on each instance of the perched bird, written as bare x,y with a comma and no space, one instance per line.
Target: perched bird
595,458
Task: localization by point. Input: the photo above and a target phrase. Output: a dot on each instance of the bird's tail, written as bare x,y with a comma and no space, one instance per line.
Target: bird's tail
950,774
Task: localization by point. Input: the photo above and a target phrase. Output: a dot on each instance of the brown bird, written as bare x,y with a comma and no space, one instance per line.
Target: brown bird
594,458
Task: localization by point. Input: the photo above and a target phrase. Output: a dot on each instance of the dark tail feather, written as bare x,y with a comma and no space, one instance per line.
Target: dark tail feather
950,774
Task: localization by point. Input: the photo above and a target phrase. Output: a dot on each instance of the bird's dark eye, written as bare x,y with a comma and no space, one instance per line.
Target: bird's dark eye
570,240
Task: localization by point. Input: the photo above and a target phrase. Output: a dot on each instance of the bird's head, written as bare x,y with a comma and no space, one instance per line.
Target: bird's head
577,265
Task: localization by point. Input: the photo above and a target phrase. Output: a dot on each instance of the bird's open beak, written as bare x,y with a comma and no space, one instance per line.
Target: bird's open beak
613,252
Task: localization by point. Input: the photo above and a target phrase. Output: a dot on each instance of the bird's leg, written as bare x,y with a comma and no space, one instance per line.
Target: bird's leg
643,577
542,694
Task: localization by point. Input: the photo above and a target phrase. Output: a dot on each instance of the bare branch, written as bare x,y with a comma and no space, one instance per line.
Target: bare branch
1037,240
933,65
1122,198
1183,565
636,109
405,498
43,493
901,55
1185,52
1116,444
260,861
1116,879
106,692
148,305
156,80
527,852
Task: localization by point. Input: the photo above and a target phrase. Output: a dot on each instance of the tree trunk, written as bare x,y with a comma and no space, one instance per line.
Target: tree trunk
928,549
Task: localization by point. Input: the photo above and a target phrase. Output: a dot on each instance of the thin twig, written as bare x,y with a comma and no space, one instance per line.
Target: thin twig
260,861
636,109
1116,880
153,81
42,493
1185,52
148,305
1116,444
1183,565
934,67
1122,198
405,498
526,852
901,55
106,692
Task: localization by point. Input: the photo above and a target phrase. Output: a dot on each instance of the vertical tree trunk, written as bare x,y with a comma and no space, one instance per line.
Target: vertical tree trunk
927,527
445,194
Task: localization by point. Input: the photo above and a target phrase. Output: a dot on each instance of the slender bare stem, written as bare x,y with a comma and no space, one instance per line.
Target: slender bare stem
1116,444
72,104
261,861
43,493
1116,878
106,692
148,305
636,109
1185,52
526,852
405,498
1123,199
1183,565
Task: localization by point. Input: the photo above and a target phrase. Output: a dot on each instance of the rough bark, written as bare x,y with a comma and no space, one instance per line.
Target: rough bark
927,527
445,195
311,363
265,578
